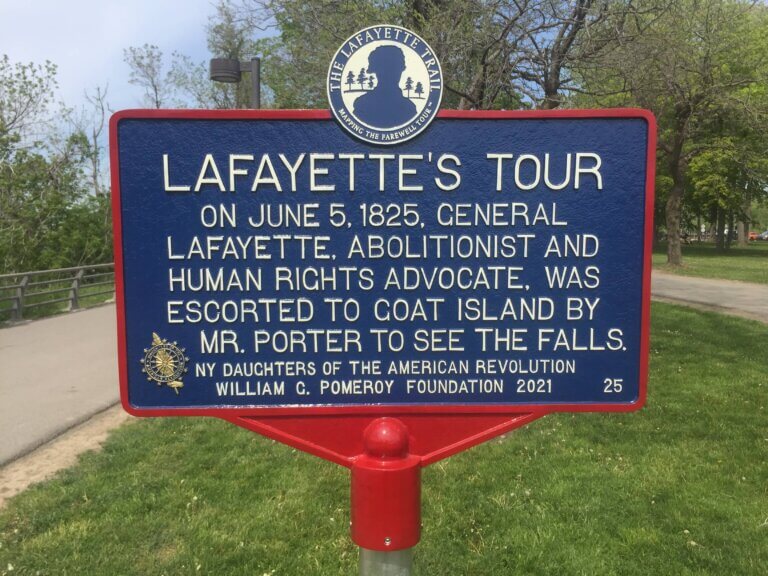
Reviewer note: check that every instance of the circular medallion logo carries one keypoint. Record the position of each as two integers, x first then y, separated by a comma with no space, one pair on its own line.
385,85
164,363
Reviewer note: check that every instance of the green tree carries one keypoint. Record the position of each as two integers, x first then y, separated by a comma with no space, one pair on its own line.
495,53
49,216
295,67
88,125
148,71
726,176
697,61
36,191
25,93
182,82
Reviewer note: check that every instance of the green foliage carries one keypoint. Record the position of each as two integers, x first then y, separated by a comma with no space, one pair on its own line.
47,219
308,34
759,216
84,236
699,65
48,216
146,64
25,92
496,54
715,175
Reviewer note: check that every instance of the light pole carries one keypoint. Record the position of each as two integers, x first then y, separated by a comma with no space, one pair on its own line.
229,71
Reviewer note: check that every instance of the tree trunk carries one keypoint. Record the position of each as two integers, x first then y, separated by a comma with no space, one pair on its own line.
677,168
674,207
550,103
729,236
674,212
552,97
720,230
742,229
746,222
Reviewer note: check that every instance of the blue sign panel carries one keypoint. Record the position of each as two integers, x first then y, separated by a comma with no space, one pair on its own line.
276,261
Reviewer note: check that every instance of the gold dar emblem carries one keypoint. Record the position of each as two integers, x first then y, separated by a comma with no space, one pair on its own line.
164,363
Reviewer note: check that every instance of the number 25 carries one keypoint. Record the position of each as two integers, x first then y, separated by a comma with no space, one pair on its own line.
613,385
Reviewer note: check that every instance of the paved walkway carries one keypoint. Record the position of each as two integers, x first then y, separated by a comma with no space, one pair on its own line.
58,372
725,296
54,374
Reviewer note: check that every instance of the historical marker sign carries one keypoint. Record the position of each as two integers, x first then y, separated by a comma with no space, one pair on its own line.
382,284
271,263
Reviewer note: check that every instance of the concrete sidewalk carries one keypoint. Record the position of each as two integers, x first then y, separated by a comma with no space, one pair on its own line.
54,374
724,296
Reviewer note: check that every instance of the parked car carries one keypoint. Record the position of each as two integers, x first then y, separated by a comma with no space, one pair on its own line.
752,236
763,236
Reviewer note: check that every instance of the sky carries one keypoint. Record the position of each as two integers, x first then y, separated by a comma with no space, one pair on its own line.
86,39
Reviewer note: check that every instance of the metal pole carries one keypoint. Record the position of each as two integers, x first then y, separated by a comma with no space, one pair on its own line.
395,563
256,83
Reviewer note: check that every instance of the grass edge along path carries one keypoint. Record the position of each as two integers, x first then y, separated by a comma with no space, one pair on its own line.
745,264
677,488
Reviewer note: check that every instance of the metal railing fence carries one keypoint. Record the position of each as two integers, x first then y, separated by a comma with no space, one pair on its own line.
47,291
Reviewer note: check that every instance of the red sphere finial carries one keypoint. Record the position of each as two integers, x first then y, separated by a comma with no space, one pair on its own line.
386,438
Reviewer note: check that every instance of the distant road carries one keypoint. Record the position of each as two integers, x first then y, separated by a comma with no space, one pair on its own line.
59,371
54,374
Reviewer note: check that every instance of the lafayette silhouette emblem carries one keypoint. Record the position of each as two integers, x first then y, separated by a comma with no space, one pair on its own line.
385,85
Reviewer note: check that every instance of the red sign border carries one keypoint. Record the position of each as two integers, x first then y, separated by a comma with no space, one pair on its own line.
380,409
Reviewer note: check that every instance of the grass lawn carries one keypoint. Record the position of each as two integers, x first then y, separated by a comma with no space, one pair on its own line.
680,488
748,264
